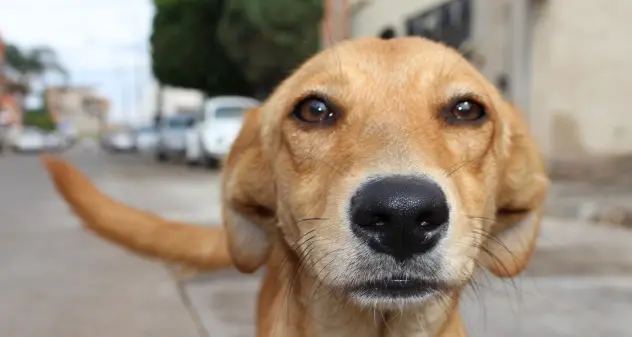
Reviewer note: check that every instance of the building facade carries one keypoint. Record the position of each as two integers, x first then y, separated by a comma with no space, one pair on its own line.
564,62
170,101
77,109
10,110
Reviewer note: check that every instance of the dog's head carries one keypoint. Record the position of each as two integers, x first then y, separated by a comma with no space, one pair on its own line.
391,169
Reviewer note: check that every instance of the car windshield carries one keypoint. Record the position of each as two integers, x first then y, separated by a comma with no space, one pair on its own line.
229,112
31,132
145,129
180,122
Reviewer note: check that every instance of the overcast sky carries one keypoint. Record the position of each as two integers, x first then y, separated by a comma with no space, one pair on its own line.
104,43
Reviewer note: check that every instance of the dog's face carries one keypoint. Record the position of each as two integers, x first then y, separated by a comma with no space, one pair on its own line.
388,167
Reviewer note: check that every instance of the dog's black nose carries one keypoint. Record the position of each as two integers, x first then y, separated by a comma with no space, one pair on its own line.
400,215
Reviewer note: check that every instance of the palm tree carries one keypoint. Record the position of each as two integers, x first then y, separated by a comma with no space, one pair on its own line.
32,64
45,59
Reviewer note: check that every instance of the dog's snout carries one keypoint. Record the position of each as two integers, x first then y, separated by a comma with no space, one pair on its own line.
399,215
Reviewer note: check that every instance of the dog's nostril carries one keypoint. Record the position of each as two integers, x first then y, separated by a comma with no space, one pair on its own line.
399,215
378,220
367,220
431,221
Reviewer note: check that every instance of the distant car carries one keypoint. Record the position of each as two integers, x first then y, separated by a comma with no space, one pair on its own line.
29,140
88,144
171,140
68,132
146,138
3,137
119,141
54,141
209,141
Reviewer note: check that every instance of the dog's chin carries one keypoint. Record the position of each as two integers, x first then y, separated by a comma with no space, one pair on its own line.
396,292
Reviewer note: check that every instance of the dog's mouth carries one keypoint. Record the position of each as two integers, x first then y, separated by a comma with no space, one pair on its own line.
397,288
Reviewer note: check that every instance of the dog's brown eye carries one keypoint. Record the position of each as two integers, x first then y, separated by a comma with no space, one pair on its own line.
467,111
314,111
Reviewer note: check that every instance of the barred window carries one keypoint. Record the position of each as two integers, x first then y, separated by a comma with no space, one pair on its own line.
449,23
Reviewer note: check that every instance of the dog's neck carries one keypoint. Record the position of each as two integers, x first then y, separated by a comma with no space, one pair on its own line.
294,304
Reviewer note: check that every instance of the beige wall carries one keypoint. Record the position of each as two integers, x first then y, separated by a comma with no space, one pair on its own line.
580,65
174,100
490,42
68,105
582,77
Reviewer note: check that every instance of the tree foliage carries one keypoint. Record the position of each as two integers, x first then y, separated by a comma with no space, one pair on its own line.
39,118
232,46
186,51
268,39
32,63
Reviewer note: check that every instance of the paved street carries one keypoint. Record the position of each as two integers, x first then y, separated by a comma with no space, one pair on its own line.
57,280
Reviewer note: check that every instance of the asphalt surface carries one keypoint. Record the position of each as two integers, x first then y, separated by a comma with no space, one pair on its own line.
58,280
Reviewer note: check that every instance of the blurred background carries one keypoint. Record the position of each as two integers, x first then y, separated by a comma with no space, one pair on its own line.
147,96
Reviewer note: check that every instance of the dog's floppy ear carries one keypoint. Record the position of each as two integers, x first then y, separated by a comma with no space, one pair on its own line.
522,188
248,197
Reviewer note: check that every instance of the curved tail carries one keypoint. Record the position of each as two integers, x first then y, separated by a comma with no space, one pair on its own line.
141,232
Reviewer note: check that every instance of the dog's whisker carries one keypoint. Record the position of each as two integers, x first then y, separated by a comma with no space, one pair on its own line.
462,164
481,218
311,219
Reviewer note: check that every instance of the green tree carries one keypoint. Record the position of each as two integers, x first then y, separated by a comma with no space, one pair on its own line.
40,119
186,51
33,64
268,39
232,46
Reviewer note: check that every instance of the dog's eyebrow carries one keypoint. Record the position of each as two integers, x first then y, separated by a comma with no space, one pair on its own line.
316,93
463,90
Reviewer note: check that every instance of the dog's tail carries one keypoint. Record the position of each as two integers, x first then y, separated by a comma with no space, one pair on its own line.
141,232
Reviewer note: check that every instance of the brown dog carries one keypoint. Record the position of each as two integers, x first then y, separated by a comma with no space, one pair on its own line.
371,184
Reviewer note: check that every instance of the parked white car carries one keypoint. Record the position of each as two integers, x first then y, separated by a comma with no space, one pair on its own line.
29,140
54,141
210,139
119,141
171,133
68,132
146,139
4,137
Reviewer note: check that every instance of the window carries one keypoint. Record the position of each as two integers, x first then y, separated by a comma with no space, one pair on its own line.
145,129
229,112
449,23
180,122
502,82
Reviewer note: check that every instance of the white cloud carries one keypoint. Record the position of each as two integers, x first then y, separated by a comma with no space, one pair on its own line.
102,42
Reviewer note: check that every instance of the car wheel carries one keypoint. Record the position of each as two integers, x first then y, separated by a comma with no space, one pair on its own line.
211,163
161,157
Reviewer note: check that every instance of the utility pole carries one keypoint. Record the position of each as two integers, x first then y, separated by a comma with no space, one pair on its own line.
137,81
134,93
158,114
520,87
124,94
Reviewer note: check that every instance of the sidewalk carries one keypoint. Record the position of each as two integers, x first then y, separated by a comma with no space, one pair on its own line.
579,283
59,281
604,203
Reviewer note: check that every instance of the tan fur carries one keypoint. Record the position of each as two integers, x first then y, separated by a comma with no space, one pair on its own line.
279,174
140,231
